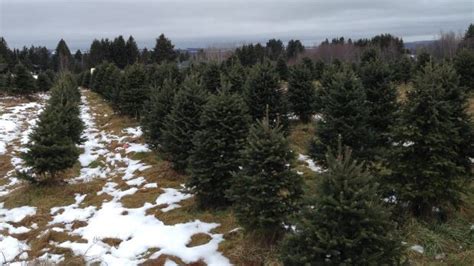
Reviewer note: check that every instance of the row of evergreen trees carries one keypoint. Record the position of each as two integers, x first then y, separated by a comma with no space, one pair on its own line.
53,143
22,82
226,124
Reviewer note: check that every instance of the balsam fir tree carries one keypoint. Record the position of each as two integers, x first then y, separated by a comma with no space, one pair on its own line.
211,78
224,126
43,83
346,223
381,99
464,64
282,69
344,112
264,95
301,93
235,77
434,138
134,91
155,110
52,147
266,191
66,97
182,123
23,82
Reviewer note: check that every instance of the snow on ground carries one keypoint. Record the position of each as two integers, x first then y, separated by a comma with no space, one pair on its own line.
16,123
138,231
310,163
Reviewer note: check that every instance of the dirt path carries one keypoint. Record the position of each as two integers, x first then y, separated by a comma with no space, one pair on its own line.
122,206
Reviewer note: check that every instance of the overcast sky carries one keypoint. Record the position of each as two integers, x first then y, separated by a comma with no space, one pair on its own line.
202,23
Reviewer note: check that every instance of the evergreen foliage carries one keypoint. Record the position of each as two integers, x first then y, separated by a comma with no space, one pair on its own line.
266,191
223,126
381,98
301,93
182,122
155,110
43,83
435,140
211,78
294,48
23,82
263,94
63,58
234,78
282,69
52,147
402,69
157,74
164,50
464,64
346,223
344,113
134,91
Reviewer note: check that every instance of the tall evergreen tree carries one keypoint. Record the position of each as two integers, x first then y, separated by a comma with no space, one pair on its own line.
266,191
63,57
275,49
134,91
345,113
381,99
155,110
164,50
263,94
224,126
346,223
294,48
131,50
435,140
301,93
182,122
119,52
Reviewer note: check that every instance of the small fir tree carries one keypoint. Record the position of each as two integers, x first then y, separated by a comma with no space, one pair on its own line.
155,110
434,137
347,222
224,126
266,191
164,50
43,83
23,82
182,123
301,93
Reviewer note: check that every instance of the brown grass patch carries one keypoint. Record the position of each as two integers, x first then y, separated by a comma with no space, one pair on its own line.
301,136
199,239
113,242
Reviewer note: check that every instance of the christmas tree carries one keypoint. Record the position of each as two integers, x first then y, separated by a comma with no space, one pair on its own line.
346,223
344,113
224,126
156,108
301,93
264,95
134,91
434,140
182,122
266,191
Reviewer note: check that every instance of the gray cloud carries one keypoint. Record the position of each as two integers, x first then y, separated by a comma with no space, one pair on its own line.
208,22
